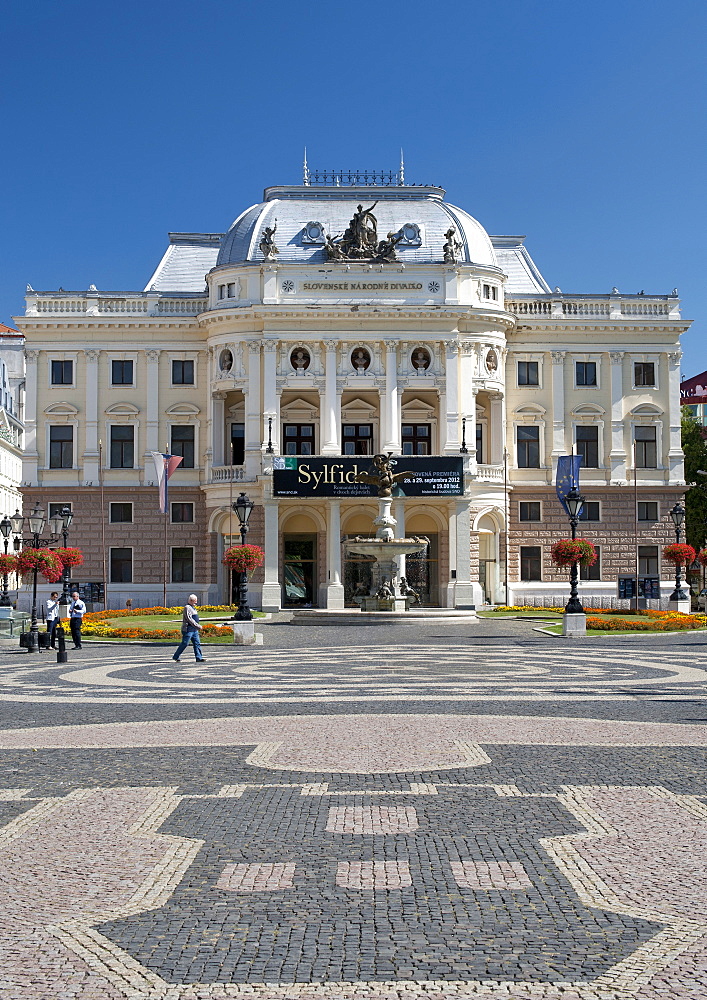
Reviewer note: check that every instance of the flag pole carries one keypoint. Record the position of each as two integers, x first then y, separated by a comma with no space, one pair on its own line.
164,566
103,525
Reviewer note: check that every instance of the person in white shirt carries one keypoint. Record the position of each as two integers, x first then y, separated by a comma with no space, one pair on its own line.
52,617
77,609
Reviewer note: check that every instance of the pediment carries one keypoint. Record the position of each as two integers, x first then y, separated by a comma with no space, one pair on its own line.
122,410
61,408
646,410
183,410
588,410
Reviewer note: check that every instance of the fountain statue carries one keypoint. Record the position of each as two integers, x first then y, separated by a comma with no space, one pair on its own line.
388,591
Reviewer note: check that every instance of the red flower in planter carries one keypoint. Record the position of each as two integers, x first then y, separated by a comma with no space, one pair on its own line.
568,551
46,562
243,558
70,556
678,553
8,564
702,557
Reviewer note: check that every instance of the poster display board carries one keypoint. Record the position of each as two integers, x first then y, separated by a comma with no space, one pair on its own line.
305,476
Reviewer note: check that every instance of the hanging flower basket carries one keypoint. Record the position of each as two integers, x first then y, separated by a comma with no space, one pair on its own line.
702,557
8,564
70,556
243,558
46,562
678,554
567,551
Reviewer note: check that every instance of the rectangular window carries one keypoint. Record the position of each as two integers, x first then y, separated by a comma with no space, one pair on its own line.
357,439
480,444
182,513
528,373
183,565
237,444
182,372
530,562
528,447
644,373
122,447
647,510
121,513
121,372
183,444
121,565
529,510
61,447
586,372
591,572
62,372
221,291
590,511
299,439
646,451
588,446
648,560
57,509
416,439
231,290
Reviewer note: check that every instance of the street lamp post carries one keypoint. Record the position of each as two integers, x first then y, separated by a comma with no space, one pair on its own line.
6,529
66,519
34,525
243,508
677,515
575,503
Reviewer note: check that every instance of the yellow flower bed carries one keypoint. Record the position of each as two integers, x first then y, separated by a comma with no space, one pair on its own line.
95,624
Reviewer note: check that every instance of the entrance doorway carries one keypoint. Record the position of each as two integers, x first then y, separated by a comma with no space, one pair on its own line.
300,559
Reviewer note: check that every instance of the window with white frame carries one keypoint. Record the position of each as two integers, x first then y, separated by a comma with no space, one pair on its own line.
531,562
528,373
648,510
182,512
61,446
529,510
644,374
122,371
122,446
648,560
182,564
182,371
61,372
587,441
182,443
528,446
591,511
646,447
585,373
121,512
121,565
592,572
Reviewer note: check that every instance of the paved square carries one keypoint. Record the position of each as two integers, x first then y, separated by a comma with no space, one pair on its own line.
442,811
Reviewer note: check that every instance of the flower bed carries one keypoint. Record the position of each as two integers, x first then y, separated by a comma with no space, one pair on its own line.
656,621
95,624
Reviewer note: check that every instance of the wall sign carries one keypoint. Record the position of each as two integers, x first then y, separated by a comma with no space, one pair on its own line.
304,476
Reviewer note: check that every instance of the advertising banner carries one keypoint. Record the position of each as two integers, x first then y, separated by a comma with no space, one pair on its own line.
305,476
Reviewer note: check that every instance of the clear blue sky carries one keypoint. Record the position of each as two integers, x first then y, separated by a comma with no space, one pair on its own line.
581,125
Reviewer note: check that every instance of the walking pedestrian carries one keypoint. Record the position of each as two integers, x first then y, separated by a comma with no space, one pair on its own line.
52,617
190,630
77,610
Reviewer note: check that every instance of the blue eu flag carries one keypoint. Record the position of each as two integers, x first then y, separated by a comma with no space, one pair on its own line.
567,476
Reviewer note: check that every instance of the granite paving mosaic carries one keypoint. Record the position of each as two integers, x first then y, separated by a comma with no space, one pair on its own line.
432,815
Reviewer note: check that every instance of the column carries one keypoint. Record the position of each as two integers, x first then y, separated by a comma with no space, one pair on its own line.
90,455
330,410
30,458
218,426
559,445
466,593
152,421
334,588
471,433
467,397
496,425
271,593
270,396
451,384
676,472
617,455
392,440
399,515
253,408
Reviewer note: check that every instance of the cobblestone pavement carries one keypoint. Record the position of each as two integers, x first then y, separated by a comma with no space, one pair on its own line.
425,811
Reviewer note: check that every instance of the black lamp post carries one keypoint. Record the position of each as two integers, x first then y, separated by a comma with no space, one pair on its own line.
66,519
575,502
6,529
34,525
243,508
677,515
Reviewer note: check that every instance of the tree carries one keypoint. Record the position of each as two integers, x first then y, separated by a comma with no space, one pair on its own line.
695,447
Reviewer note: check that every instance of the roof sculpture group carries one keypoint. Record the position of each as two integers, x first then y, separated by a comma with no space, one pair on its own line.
360,241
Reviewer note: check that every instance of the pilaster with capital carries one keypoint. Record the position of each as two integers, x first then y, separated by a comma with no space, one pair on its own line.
451,382
30,458
617,454
90,457
152,409
392,439
559,446
334,586
271,593
330,411
253,408
675,453
270,395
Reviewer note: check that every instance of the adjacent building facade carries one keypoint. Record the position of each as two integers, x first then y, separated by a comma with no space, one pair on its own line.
332,322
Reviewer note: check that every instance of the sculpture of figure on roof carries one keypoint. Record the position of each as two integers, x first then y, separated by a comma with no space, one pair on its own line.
333,249
452,247
386,248
267,242
364,227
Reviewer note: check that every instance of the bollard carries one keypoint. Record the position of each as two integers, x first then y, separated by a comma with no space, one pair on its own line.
61,656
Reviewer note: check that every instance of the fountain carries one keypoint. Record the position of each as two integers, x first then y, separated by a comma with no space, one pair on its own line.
388,592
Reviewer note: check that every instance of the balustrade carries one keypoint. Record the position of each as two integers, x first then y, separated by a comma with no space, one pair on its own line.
599,306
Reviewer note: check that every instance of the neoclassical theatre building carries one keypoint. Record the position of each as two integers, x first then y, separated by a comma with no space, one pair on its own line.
337,319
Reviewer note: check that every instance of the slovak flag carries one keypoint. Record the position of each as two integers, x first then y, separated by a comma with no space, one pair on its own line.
165,465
